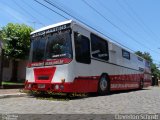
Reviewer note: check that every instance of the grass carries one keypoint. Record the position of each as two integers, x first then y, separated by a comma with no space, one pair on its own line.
54,96
12,83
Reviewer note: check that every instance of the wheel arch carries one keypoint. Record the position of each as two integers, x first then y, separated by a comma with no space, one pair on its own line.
106,75
109,81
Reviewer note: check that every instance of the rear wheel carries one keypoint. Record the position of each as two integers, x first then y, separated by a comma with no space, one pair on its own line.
103,85
141,84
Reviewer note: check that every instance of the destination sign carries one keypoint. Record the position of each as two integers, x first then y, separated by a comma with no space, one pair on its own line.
51,30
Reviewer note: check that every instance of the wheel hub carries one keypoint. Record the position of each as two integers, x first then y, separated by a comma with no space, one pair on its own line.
103,84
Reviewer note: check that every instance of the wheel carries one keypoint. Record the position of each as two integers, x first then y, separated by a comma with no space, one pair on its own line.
141,84
103,85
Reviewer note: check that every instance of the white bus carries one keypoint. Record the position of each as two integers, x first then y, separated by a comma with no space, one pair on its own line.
70,57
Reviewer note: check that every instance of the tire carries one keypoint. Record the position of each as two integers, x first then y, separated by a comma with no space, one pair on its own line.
141,84
104,85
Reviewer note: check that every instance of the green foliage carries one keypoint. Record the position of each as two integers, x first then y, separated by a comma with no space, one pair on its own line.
145,55
11,83
17,40
154,69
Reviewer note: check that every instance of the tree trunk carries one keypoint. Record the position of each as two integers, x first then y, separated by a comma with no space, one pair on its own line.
14,71
1,67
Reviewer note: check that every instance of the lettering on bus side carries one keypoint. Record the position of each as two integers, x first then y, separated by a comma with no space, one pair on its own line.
52,30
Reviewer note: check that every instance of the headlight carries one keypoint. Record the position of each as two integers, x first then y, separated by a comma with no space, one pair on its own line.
29,85
61,87
56,87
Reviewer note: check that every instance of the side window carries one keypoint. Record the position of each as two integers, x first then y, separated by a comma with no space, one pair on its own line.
82,48
147,64
99,47
125,54
140,59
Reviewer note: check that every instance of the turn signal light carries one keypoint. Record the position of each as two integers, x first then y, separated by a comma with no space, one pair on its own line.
62,80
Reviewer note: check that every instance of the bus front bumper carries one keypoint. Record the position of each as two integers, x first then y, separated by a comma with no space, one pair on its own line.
50,87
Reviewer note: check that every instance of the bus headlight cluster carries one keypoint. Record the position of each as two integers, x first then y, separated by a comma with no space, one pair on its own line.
56,87
29,85
61,87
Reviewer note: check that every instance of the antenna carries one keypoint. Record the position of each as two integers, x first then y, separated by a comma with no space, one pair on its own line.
34,24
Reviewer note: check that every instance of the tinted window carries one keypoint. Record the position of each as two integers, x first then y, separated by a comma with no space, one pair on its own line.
59,46
125,54
38,49
82,48
140,59
147,64
56,45
99,47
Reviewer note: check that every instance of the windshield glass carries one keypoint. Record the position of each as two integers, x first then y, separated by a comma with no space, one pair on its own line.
38,48
50,47
59,46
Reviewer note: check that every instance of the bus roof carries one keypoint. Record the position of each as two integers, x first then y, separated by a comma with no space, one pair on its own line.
84,26
51,26
80,24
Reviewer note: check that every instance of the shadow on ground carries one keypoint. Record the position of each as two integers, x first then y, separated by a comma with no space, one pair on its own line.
73,96
67,97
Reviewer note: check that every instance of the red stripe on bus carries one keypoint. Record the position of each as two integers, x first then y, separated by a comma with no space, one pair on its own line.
49,62
84,84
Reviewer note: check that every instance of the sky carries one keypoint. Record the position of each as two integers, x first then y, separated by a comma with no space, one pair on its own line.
132,23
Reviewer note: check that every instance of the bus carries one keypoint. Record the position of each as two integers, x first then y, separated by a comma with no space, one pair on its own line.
70,57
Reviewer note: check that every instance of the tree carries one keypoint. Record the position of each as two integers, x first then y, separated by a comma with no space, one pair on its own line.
154,69
145,55
1,58
17,41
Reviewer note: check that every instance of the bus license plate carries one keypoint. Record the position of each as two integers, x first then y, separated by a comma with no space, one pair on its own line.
41,85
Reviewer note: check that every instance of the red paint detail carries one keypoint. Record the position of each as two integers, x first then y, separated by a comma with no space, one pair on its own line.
59,61
87,84
34,64
47,72
84,84
79,86
129,77
49,62
123,83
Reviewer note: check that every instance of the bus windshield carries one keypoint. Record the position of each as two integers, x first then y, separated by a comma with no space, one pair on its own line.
50,47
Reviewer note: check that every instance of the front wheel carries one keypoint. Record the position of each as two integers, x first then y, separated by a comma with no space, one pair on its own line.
103,85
